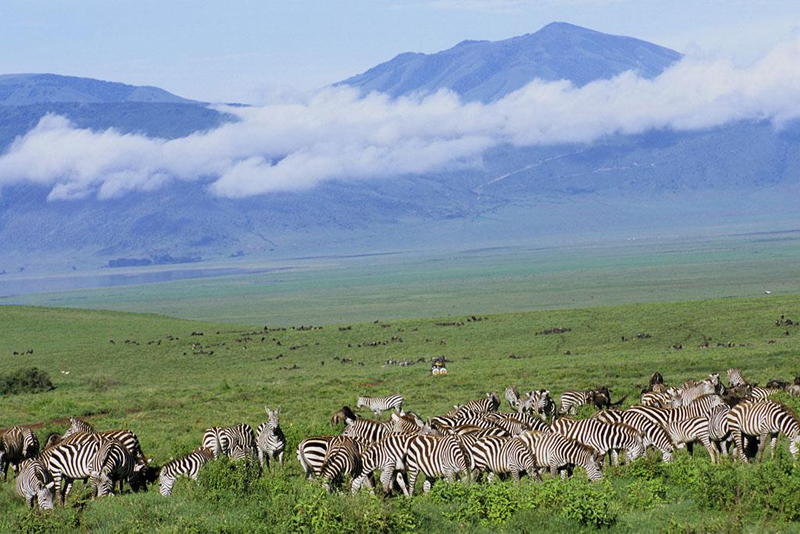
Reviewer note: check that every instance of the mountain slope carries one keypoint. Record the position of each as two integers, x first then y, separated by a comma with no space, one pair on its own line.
486,71
24,89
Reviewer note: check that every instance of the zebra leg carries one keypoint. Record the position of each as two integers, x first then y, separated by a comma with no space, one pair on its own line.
280,457
772,445
762,446
412,481
261,458
426,486
402,483
490,477
386,480
615,457
515,475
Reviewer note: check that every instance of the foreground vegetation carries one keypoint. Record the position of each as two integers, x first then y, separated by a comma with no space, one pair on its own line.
164,383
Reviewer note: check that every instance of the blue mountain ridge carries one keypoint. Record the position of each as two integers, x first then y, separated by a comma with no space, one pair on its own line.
741,175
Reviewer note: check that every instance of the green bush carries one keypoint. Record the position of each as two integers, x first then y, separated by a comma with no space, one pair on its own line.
30,380
224,479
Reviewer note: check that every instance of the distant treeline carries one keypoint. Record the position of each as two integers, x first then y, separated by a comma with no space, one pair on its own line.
164,259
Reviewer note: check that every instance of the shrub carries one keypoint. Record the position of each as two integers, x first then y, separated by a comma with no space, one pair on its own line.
98,384
224,479
30,380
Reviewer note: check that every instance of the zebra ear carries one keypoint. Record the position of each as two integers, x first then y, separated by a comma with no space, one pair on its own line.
50,485
279,409
395,417
266,409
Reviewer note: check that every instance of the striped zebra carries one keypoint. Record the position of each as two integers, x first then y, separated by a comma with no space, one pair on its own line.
113,463
560,453
572,400
68,462
490,404
409,423
126,437
35,484
685,397
538,403
763,419
77,426
367,430
759,393
270,440
388,457
215,440
12,449
508,422
718,431
653,434
188,466
687,431
664,416
343,458
602,437
512,396
658,400
435,457
311,452
379,404
735,378
446,422
500,456
221,440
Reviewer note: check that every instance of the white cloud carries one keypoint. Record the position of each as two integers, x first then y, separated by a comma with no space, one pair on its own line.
336,134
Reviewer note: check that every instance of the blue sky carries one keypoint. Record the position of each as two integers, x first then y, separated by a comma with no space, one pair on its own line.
254,50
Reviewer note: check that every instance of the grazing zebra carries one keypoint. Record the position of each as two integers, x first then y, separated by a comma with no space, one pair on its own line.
409,423
270,441
113,463
763,419
572,400
12,449
602,437
490,404
735,378
311,452
435,457
35,483
446,422
215,440
686,431
388,457
560,453
658,400
379,404
367,430
533,422
508,422
127,438
538,403
221,440
343,458
685,397
188,466
664,416
512,396
718,431
68,462
239,452
76,425
759,394
653,434
501,456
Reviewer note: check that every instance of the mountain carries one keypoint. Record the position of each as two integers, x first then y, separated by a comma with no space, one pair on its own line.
741,176
25,89
487,70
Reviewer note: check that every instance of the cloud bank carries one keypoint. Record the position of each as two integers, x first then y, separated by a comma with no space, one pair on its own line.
338,134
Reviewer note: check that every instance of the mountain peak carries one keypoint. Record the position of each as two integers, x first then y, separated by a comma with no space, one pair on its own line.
488,70
36,88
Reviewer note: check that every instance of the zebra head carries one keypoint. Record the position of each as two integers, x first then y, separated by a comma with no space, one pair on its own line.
103,484
274,417
45,494
361,402
165,484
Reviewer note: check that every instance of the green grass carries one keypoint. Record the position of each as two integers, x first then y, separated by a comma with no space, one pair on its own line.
167,394
485,281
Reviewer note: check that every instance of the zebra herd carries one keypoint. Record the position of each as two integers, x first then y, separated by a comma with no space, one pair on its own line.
472,440
108,459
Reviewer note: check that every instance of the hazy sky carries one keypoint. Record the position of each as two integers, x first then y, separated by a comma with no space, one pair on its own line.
252,51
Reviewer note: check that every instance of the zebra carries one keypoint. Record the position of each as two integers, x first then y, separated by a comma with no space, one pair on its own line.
446,422
508,422
686,431
343,458
188,466
379,404
366,429
735,378
68,462
490,404
128,439
388,456
215,440
270,440
760,394
561,453
435,457
512,396
500,455
409,423
311,452
658,400
35,484
653,434
113,463
718,431
572,400
602,437
538,403
763,419
685,397
77,425
221,440
12,449
664,416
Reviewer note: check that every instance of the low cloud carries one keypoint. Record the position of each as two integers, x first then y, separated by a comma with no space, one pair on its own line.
339,134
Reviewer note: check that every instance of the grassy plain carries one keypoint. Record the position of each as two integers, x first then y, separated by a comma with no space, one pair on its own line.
437,283
168,392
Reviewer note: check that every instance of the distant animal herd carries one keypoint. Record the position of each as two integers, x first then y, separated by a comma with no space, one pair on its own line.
472,440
